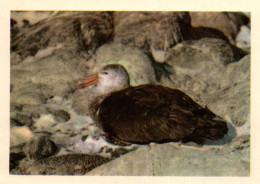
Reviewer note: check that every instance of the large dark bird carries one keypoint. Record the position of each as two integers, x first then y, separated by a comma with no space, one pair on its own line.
148,113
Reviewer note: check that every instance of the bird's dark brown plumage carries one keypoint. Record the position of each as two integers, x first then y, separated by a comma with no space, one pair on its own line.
153,113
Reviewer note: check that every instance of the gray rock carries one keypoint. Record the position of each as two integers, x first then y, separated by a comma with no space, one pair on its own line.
80,30
232,100
228,23
171,159
212,76
15,58
81,101
15,123
20,135
28,93
40,147
25,114
71,164
61,116
19,17
36,81
193,54
24,120
151,31
243,39
138,65
121,151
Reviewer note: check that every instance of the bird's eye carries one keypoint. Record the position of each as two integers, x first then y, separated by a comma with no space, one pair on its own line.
105,73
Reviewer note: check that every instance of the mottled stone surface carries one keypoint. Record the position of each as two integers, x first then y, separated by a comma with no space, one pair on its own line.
153,32
71,164
20,135
61,116
82,31
176,160
243,39
228,23
192,54
234,92
213,72
40,147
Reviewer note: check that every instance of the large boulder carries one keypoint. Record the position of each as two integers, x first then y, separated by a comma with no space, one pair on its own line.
80,31
215,74
154,32
228,23
177,160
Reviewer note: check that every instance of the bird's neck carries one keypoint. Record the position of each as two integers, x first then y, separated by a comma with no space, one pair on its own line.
106,90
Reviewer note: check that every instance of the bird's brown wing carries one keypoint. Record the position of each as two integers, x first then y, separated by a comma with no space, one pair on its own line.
148,113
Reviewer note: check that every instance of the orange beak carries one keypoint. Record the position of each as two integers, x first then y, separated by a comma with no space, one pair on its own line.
93,79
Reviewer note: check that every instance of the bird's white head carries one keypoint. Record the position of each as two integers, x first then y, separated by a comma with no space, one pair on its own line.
109,79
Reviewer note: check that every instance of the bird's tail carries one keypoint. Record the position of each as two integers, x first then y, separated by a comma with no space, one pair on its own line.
212,129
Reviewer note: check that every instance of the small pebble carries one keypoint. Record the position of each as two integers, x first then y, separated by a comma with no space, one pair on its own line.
41,147
84,138
24,119
61,116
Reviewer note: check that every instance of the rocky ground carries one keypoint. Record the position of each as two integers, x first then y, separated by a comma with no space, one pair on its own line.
205,54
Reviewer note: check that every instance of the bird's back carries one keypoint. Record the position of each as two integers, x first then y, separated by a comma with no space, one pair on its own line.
153,113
